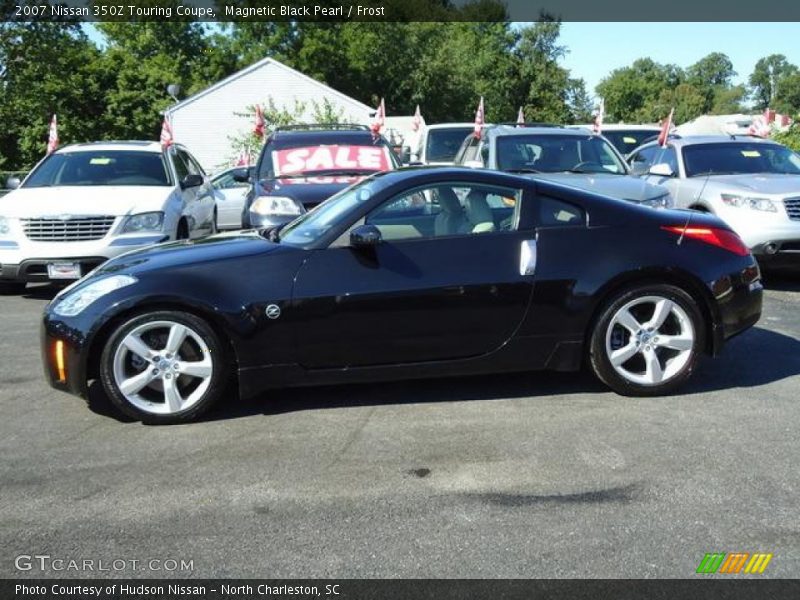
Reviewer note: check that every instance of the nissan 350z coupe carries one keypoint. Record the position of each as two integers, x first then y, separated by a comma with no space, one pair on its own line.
411,273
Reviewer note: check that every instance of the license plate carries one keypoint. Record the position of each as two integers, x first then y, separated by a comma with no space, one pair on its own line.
64,271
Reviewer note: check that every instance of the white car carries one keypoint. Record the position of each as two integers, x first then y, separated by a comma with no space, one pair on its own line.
752,184
229,195
439,143
86,203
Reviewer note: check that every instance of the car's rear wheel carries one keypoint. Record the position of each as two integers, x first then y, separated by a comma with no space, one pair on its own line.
163,367
9,288
647,340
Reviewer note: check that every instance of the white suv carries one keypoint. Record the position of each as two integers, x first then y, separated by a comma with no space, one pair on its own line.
86,203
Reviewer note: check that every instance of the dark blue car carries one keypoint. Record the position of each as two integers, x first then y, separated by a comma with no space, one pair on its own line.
302,165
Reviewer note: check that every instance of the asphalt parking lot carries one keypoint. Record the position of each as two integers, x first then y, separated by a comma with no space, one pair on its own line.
530,475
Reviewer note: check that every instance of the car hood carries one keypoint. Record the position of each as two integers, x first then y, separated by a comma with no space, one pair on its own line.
83,200
310,191
762,183
233,245
625,187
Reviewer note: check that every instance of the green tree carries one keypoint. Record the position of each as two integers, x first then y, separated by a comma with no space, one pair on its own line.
787,96
712,75
47,68
631,93
766,77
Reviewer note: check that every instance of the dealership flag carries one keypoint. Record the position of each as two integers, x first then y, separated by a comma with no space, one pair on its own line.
769,115
244,159
479,119
379,121
417,122
597,127
664,135
166,133
520,118
258,130
760,126
782,120
52,138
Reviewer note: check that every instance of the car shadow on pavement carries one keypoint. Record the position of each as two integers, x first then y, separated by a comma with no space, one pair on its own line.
757,357
45,291
781,282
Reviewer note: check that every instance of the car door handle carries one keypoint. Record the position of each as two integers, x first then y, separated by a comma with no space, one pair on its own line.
527,257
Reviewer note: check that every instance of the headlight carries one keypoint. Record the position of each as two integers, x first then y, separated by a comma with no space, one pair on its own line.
151,221
664,201
4,227
276,205
76,302
762,204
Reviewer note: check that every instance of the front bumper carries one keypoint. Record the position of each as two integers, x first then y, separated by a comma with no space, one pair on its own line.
63,357
28,262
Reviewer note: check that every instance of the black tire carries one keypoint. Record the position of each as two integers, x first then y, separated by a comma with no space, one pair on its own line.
598,353
216,351
12,288
182,232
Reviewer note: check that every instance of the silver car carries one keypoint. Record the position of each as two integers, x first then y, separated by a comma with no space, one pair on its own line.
573,157
752,184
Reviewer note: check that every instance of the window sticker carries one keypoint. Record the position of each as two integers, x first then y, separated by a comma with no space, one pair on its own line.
99,161
751,153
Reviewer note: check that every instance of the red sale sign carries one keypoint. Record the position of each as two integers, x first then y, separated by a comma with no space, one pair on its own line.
331,158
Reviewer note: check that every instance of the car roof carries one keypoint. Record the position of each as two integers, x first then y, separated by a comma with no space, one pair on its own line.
620,127
698,140
316,137
694,140
513,130
105,146
451,126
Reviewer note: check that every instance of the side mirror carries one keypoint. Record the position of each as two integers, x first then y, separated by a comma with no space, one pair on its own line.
662,170
191,180
242,175
365,236
12,183
473,164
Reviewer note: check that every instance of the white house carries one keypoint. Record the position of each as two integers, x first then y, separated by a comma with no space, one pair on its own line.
205,121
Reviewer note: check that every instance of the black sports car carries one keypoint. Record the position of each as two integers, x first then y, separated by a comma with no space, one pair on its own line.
409,273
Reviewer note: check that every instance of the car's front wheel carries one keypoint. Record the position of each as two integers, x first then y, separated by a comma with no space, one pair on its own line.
647,340
163,367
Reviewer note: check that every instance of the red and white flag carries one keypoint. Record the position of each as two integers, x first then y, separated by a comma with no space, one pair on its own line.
379,121
597,126
166,133
417,122
760,127
244,159
52,138
520,118
479,120
769,115
258,130
665,128
782,120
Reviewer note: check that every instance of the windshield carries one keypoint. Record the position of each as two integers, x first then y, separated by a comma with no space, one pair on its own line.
553,153
739,157
110,167
344,159
314,224
443,144
627,140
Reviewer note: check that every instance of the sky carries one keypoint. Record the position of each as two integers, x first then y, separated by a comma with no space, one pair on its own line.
595,49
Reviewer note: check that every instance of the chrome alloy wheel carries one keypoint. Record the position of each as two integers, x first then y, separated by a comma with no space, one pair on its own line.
650,340
163,367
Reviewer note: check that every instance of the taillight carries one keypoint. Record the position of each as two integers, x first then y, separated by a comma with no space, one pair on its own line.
722,238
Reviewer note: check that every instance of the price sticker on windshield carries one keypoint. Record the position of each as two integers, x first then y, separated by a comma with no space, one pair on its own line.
331,158
751,153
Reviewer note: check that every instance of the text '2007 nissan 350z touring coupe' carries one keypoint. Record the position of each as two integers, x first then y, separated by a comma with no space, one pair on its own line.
412,273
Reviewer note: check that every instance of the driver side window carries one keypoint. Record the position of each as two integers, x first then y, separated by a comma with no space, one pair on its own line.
446,210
